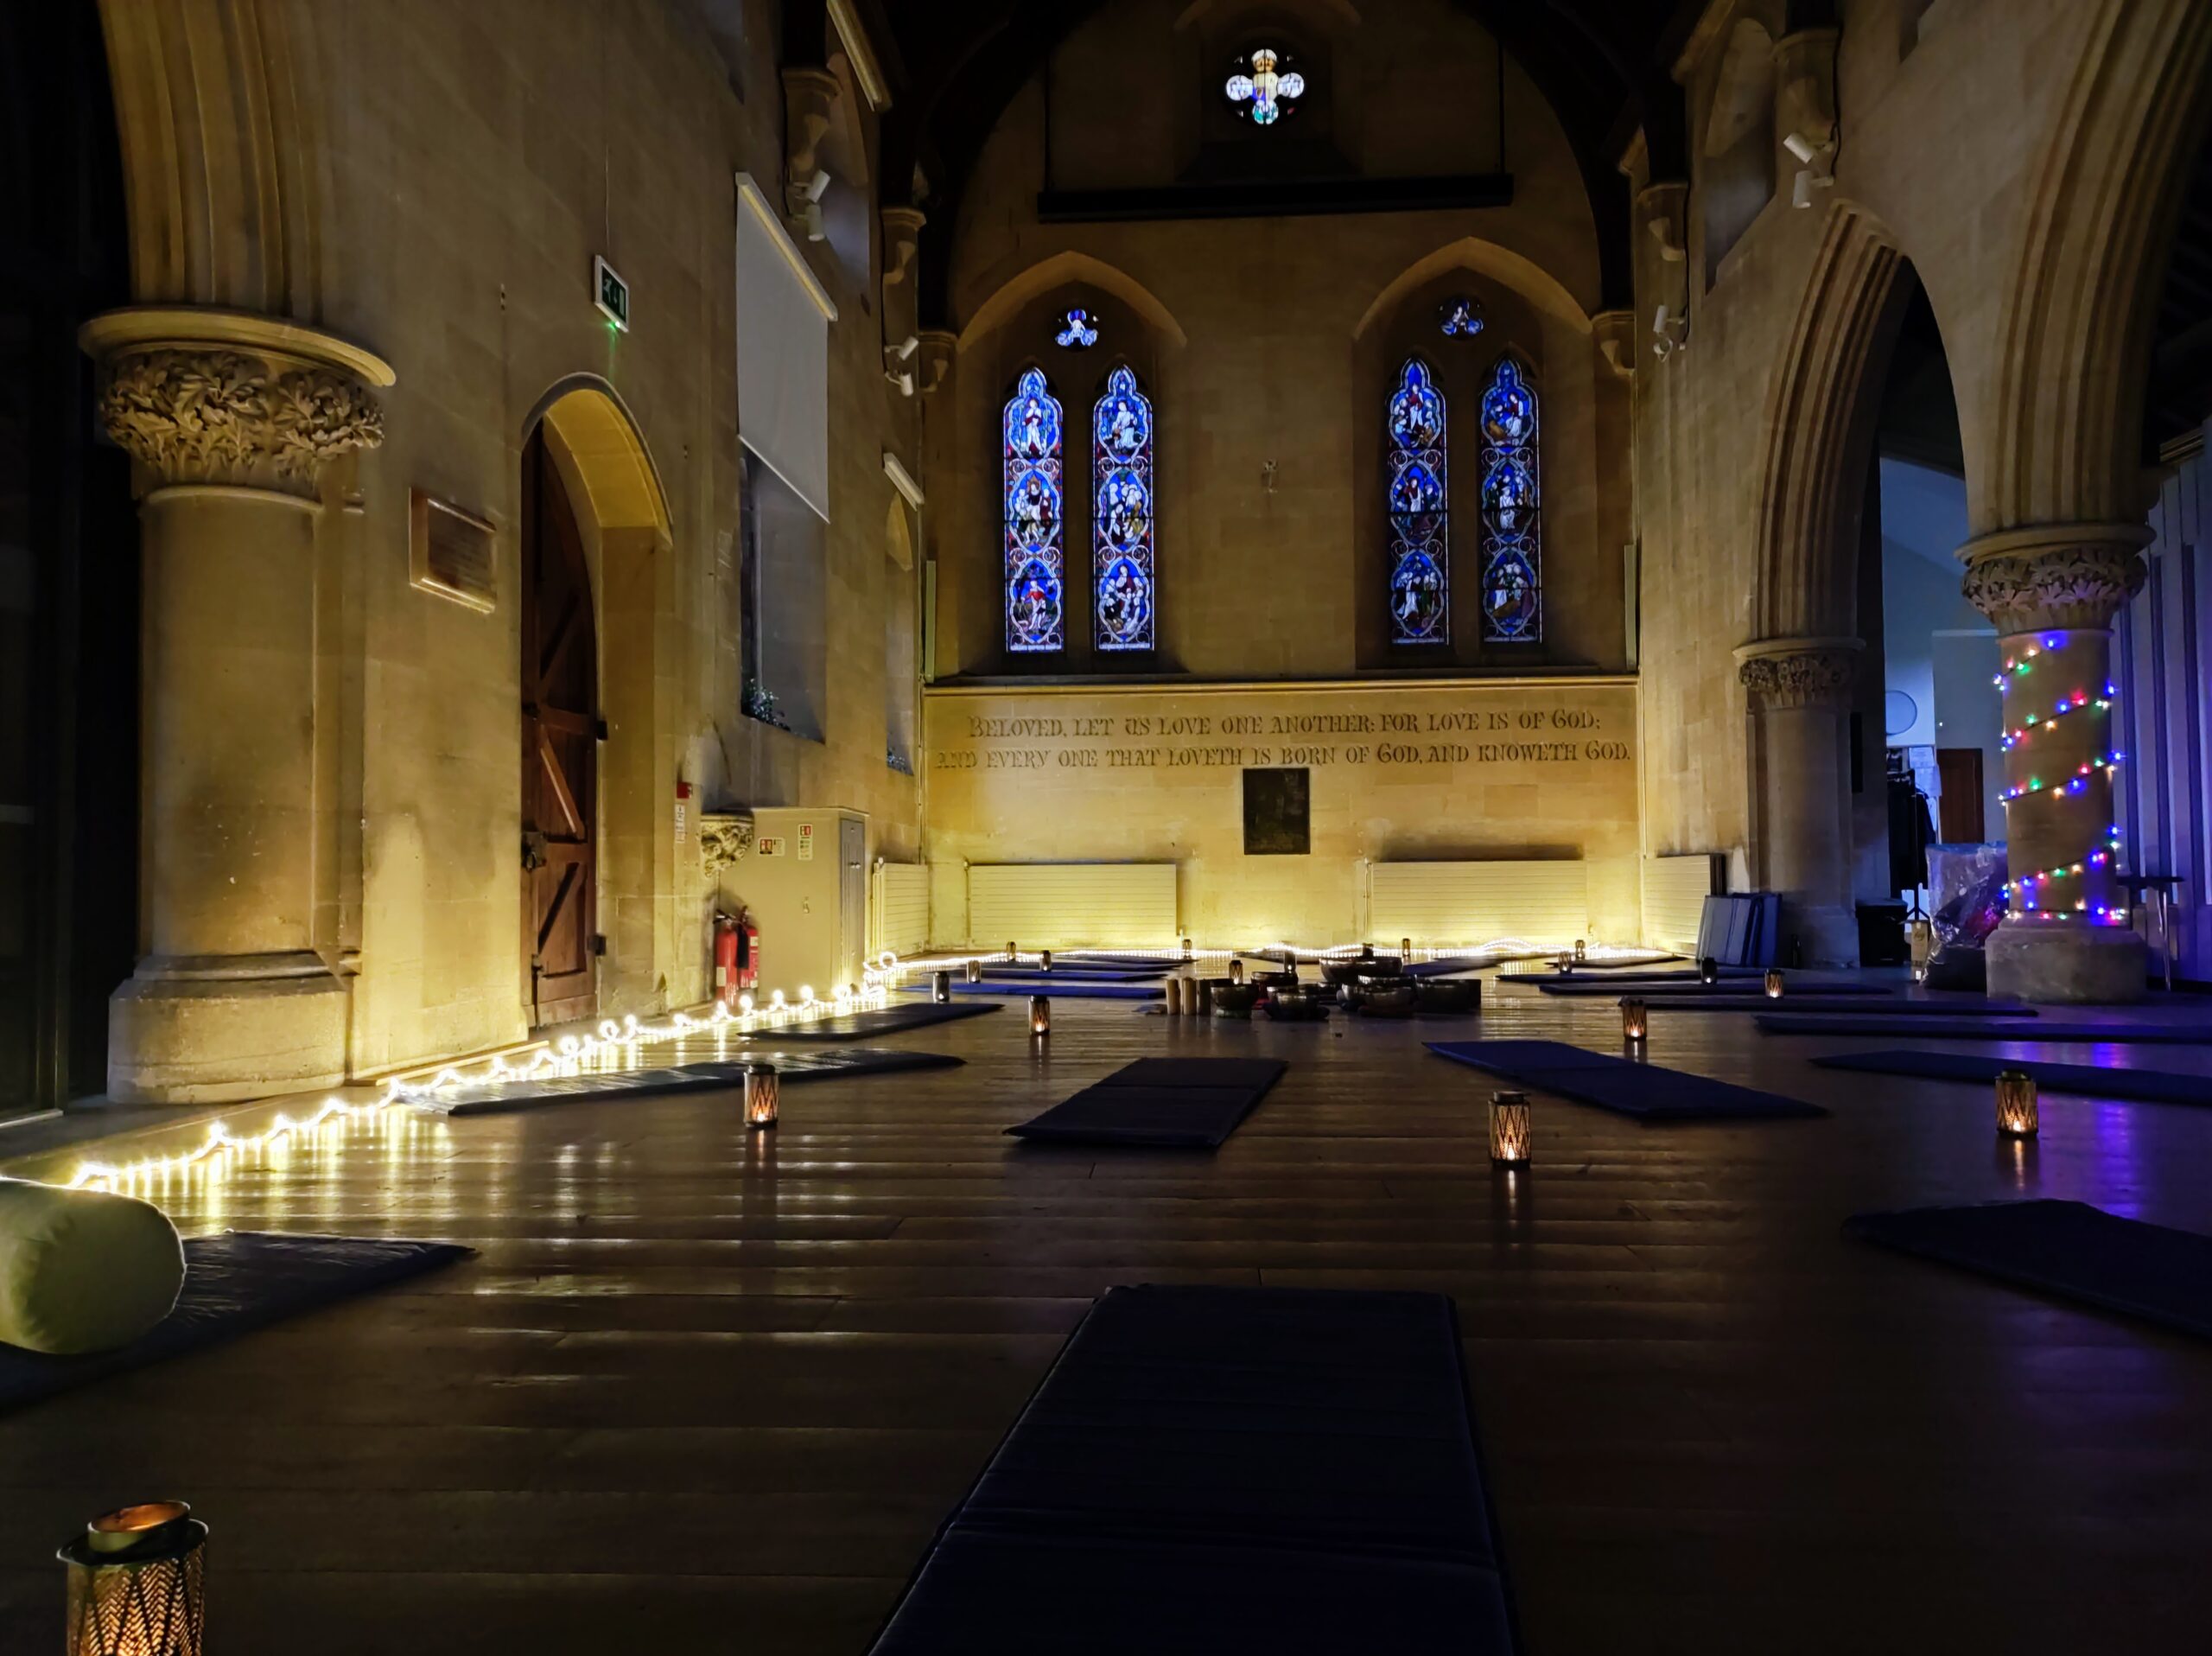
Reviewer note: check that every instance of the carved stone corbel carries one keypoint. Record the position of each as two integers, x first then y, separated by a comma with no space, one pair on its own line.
1798,672
902,233
939,346
1616,334
810,97
724,838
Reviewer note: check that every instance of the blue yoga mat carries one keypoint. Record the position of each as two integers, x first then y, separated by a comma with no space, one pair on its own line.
2066,1248
1171,1103
1648,1091
2095,1080
1621,975
792,1067
876,1020
1206,1470
1072,989
1690,989
1078,971
1839,1004
233,1284
1980,1029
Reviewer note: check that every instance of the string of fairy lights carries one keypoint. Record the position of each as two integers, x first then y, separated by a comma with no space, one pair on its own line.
2044,892
617,1046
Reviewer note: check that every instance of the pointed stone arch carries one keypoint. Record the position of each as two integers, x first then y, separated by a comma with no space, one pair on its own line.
1069,270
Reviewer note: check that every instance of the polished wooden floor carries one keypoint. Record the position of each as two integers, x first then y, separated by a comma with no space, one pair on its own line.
702,1392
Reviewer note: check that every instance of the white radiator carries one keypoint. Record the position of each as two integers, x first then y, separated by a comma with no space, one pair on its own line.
1066,905
902,909
1438,904
1675,891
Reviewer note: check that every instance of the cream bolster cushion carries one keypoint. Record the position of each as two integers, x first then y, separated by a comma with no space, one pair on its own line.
82,1271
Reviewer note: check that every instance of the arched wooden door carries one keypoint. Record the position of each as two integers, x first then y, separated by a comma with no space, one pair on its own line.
560,750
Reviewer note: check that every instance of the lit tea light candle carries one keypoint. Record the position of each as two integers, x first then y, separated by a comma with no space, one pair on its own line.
761,1088
1774,983
1708,970
1040,1017
137,1583
1509,1130
2018,1114
941,985
1635,1021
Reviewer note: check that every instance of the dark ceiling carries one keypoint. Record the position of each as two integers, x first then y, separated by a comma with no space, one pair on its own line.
1604,65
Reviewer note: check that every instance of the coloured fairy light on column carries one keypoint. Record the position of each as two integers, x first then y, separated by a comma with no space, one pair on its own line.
2018,1116
1040,1017
1509,1130
2059,771
137,1583
762,1086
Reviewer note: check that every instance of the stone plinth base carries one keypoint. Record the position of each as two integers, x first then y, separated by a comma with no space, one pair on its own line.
215,1028
2060,961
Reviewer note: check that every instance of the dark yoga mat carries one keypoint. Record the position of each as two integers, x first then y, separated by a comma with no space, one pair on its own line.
1692,989
792,1067
1176,1102
1978,1029
2095,1081
1964,1007
2066,1248
876,1020
1212,1469
1629,974
1648,1091
1078,971
1058,988
233,1284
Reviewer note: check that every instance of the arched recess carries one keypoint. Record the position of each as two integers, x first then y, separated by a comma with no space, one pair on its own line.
1819,426
621,514
1071,269
1501,264
2075,344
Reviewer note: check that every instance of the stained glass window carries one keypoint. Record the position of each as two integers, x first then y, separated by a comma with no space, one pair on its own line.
1077,332
1034,621
1512,509
1121,517
1460,316
1419,518
1263,87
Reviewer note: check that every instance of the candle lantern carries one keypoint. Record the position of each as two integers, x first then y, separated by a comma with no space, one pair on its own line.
1923,940
1708,971
1581,948
1011,953
1040,1017
1367,951
1175,997
1635,1021
1774,983
1044,959
761,1088
974,972
1405,948
2018,1116
1509,1130
137,1583
941,987
1186,949
1563,964
1236,971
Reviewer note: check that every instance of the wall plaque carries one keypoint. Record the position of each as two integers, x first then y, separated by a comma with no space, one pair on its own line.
450,553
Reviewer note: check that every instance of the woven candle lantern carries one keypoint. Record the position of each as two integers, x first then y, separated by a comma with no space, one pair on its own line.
1175,997
2018,1114
1773,983
1236,971
1040,1017
941,987
1923,940
761,1088
1012,954
1405,948
137,1583
1563,964
1044,959
1635,1021
1186,949
1509,1130
974,972
1581,949
1708,971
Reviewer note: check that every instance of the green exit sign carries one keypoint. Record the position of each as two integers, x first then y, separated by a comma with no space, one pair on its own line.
612,296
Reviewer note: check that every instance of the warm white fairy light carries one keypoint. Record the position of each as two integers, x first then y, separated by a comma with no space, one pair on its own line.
614,1046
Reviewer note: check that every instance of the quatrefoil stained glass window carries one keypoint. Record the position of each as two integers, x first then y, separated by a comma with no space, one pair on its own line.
1264,87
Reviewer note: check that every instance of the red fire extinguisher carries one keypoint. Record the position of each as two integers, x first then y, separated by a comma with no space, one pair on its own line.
737,956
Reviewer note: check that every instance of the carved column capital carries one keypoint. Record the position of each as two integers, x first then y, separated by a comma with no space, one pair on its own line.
222,397
724,838
902,233
810,95
939,346
1798,672
2055,575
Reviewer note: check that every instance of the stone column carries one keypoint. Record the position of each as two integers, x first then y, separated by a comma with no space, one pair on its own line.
1800,692
2052,592
230,419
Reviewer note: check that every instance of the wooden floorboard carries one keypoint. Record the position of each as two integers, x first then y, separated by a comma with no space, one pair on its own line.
701,1391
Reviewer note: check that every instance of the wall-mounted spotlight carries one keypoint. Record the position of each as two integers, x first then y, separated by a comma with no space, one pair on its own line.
1816,171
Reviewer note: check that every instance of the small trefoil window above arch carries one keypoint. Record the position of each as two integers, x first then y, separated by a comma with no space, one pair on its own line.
1264,87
